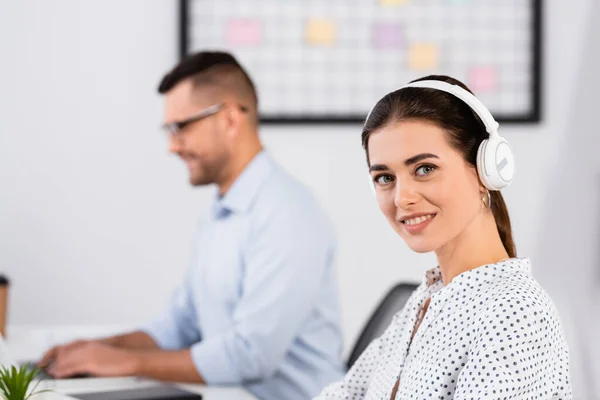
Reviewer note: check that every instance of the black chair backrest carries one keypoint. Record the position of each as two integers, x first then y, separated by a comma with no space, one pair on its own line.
393,302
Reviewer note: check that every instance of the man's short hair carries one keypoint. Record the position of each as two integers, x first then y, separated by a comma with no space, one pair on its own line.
217,68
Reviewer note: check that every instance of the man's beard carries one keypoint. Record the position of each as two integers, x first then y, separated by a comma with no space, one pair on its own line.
208,174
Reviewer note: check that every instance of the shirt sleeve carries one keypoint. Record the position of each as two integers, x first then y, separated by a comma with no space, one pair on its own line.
518,354
285,257
357,380
177,327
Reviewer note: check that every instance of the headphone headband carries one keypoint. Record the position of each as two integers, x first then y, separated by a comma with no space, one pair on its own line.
491,126
495,158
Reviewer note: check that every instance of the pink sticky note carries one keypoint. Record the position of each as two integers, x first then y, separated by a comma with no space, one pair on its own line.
243,32
483,79
387,35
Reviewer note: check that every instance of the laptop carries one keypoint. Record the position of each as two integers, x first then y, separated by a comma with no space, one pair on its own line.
162,392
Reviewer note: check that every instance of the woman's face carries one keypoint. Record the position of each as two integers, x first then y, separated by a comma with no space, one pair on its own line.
424,187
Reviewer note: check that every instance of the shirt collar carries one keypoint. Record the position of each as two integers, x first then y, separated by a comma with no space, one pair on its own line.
240,195
489,272
432,276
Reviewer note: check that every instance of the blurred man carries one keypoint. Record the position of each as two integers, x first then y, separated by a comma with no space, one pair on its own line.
258,306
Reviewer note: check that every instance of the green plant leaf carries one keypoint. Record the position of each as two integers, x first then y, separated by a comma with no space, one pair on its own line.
16,384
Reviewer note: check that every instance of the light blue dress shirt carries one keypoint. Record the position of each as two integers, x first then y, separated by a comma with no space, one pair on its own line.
258,306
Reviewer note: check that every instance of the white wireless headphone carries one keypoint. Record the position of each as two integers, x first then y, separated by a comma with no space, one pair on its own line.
495,157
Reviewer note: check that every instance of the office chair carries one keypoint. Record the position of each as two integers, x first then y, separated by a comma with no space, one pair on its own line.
393,302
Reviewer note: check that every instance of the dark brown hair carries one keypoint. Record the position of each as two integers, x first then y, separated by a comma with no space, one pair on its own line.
464,127
220,71
196,63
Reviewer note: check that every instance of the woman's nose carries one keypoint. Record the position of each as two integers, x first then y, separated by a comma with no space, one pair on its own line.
406,194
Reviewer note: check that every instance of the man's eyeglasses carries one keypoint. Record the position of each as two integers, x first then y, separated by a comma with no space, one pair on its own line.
173,128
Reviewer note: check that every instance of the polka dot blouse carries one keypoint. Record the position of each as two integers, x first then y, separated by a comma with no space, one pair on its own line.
492,333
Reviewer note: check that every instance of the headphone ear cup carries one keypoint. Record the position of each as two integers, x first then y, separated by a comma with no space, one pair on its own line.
495,163
481,164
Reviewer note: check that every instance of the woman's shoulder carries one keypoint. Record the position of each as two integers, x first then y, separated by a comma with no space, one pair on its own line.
517,296
517,283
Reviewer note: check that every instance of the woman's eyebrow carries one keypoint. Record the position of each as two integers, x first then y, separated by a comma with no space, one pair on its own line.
419,157
378,167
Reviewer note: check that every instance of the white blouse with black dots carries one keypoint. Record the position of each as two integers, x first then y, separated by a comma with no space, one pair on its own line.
491,333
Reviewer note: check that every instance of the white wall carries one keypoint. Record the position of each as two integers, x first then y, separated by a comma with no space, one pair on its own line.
95,218
571,273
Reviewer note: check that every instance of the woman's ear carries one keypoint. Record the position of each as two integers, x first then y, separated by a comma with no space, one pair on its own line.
482,189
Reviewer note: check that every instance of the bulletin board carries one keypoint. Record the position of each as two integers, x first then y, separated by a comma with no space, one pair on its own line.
329,61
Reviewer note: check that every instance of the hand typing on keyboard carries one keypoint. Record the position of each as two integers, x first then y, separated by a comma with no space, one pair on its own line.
86,358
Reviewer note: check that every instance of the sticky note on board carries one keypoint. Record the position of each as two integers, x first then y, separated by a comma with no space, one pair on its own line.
393,2
387,35
243,32
423,56
320,32
483,79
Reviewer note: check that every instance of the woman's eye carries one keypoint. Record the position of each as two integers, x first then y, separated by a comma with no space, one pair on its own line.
425,170
383,179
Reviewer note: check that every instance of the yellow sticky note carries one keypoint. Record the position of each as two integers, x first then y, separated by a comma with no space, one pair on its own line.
393,2
320,32
423,56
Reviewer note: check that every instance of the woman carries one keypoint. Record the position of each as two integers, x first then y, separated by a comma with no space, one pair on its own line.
479,326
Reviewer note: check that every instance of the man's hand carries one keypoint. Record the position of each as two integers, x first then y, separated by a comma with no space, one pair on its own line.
96,358
132,340
93,358
51,354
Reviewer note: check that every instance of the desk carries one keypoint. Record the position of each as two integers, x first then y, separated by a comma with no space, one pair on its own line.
25,345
